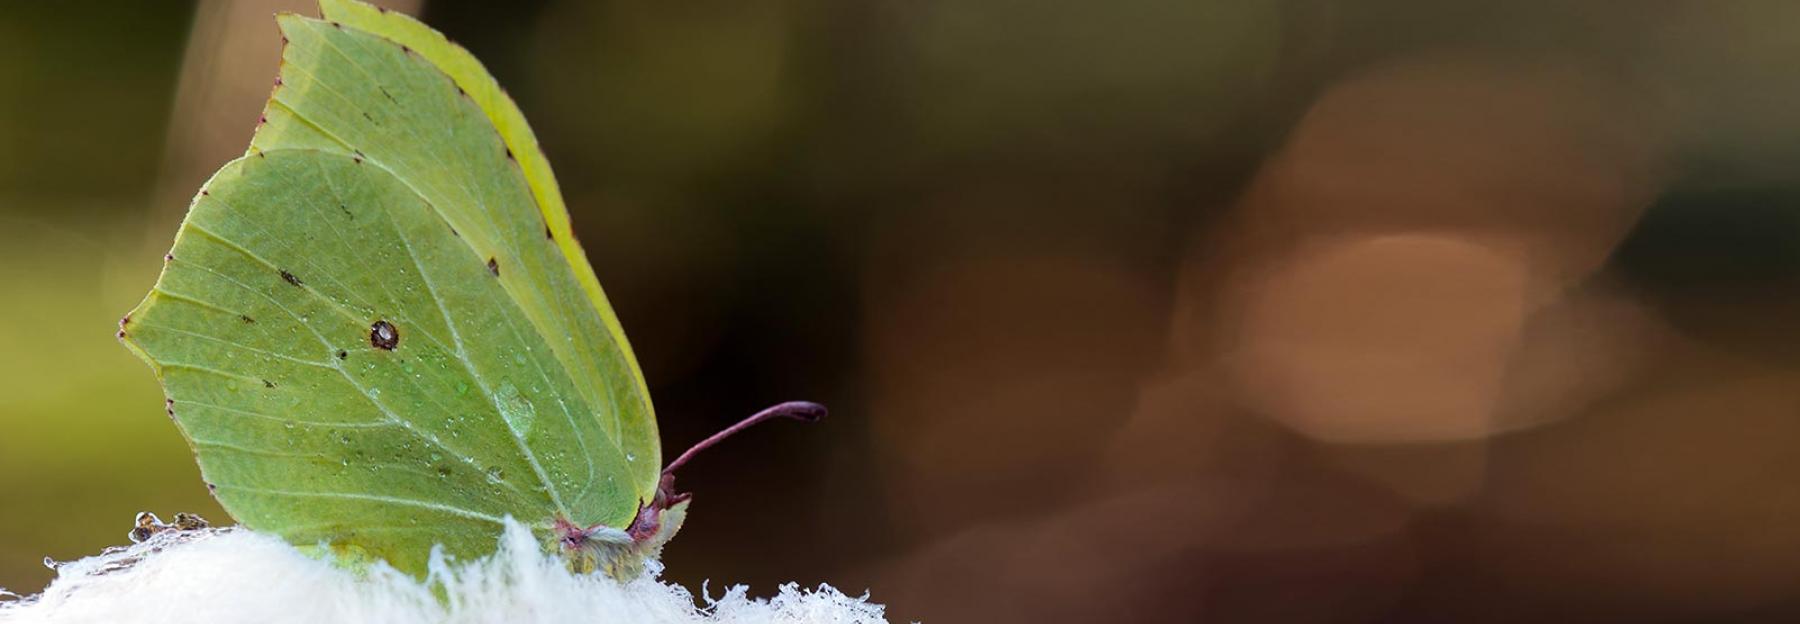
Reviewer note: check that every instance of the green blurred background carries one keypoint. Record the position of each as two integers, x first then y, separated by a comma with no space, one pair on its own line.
1215,310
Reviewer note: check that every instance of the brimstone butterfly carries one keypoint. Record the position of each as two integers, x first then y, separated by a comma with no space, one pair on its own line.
378,332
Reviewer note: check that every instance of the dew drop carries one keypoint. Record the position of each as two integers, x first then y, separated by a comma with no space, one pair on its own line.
517,412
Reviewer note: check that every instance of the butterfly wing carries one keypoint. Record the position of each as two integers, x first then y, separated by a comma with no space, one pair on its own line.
393,184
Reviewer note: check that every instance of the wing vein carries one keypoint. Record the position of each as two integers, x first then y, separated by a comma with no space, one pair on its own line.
192,300
283,419
220,444
377,498
309,121
242,346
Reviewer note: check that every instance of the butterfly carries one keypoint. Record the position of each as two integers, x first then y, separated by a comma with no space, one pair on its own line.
377,329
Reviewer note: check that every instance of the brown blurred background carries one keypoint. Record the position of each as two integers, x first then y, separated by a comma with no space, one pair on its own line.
1133,311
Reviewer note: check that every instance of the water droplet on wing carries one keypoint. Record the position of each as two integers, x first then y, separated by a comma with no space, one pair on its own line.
517,411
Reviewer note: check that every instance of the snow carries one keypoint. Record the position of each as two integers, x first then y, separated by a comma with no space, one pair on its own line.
237,575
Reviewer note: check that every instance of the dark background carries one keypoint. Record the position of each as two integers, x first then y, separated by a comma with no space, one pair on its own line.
1215,310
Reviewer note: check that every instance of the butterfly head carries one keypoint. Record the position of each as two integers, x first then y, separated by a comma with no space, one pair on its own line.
621,553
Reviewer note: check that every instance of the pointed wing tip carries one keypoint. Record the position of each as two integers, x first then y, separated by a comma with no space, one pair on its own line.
331,8
289,23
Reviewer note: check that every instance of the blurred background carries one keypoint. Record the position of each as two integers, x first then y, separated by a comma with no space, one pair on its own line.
1132,311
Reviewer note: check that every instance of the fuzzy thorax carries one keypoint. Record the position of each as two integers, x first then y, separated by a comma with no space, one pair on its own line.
620,554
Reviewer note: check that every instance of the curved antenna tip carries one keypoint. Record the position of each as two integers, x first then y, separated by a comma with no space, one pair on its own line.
804,411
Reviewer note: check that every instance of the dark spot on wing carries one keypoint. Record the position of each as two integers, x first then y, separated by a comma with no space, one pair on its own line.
268,384
455,233
289,277
382,9
509,155
365,115
262,119
127,319
461,92
547,233
121,333
406,50
343,354
169,406
212,488
260,154
278,81
246,318
205,193
337,25
443,471
384,92
358,157
169,257
346,210
383,335
493,267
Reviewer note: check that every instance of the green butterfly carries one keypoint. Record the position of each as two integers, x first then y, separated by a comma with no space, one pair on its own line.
378,331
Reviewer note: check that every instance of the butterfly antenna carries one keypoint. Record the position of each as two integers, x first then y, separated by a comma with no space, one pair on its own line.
805,411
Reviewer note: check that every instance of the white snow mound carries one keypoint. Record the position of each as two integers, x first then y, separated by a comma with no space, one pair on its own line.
236,575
